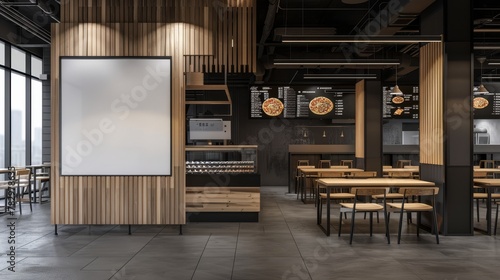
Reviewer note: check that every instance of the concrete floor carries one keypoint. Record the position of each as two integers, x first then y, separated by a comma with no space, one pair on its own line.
285,244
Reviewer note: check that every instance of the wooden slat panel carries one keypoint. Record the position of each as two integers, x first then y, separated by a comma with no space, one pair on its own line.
120,28
431,104
360,120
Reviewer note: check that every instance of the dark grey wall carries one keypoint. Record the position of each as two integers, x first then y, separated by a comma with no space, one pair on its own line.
274,135
46,107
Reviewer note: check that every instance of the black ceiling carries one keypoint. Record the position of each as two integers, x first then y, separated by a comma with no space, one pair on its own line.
26,23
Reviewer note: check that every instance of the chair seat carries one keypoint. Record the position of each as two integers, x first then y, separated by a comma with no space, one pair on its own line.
412,206
364,206
485,195
338,195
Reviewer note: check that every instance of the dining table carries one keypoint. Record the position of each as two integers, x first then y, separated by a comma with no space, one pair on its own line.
338,183
306,173
489,185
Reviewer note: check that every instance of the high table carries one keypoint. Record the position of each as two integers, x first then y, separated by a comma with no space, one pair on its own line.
305,173
332,183
489,185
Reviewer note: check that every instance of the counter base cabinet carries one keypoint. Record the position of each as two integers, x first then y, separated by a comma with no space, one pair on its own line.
234,199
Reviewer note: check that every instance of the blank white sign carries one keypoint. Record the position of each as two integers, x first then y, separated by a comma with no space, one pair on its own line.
115,116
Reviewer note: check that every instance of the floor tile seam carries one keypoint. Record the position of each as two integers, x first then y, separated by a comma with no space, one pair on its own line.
294,240
81,269
101,236
38,239
235,250
138,251
201,256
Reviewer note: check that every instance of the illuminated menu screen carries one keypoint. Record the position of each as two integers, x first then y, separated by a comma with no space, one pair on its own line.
401,106
487,105
301,102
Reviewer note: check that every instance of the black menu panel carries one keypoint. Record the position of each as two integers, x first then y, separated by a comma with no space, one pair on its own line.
401,106
487,105
301,102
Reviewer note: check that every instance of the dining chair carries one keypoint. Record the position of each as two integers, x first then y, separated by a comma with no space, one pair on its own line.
338,195
348,162
339,166
486,163
363,174
479,193
366,207
22,187
324,163
300,162
418,207
403,162
496,219
305,180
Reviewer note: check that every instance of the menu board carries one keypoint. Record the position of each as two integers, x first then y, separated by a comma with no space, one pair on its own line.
301,102
400,106
487,105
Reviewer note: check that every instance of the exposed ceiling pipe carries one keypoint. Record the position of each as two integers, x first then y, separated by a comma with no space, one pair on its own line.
266,31
25,23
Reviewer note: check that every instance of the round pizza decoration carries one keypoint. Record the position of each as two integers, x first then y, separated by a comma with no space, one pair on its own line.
321,105
272,107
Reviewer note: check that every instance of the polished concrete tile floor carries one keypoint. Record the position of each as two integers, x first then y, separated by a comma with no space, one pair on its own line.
285,244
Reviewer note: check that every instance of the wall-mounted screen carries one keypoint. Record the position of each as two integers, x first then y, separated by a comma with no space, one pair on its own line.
487,105
115,116
401,106
321,102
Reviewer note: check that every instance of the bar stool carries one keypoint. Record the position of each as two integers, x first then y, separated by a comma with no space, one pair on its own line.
348,162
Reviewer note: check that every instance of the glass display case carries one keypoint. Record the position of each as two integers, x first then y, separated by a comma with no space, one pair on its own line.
221,159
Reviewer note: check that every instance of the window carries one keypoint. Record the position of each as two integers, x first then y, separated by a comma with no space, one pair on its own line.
18,60
36,122
36,67
2,53
18,120
2,118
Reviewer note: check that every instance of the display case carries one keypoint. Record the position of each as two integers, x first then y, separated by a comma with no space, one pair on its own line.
223,159
222,183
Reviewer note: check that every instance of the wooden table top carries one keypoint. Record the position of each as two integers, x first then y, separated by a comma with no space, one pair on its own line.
488,170
401,169
487,182
319,170
375,182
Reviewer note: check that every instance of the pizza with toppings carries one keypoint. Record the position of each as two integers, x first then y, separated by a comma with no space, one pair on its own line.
480,103
398,100
321,105
272,107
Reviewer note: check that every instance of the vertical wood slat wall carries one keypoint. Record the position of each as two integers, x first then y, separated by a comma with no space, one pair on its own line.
431,104
360,120
134,28
230,25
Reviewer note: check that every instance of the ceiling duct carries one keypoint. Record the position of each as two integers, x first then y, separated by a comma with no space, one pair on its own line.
298,31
